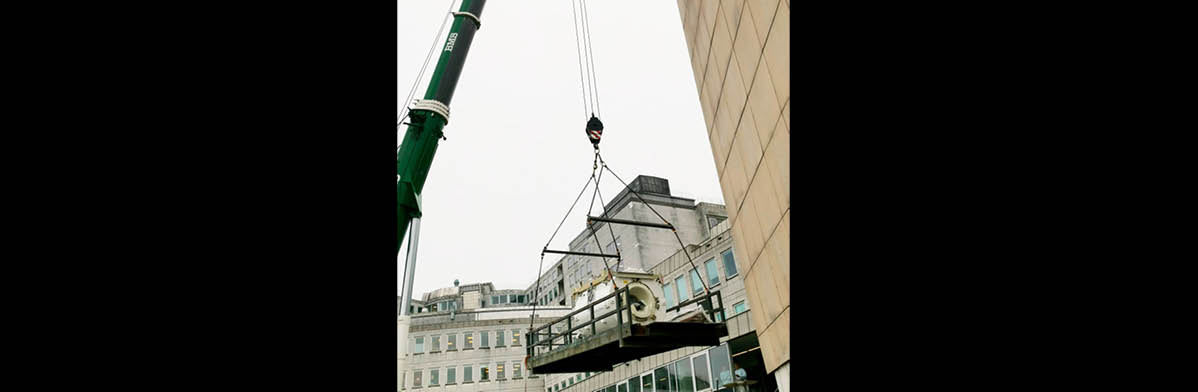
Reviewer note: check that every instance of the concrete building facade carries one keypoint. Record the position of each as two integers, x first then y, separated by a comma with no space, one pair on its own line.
468,339
640,247
740,56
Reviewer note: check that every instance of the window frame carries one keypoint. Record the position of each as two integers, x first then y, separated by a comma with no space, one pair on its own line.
736,271
712,272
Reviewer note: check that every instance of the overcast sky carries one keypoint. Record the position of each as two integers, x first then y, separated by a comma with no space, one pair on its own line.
517,155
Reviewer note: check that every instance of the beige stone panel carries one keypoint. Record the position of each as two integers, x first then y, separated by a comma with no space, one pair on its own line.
775,342
769,305
763,15
747,47
754,240
721,48
777,158
765,135
702,48
777,54
723,128
734,181
735,92
748,143
786,115
732,10
708,12
752,294
778,247
770,208
707,104
766,108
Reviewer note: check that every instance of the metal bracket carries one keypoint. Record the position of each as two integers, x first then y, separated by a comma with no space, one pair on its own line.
434,106
478,23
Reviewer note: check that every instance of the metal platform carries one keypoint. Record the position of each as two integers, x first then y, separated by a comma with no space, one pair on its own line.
567,352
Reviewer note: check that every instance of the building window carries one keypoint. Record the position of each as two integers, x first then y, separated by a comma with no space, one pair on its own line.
634,384
515,337
469,339
436,346
683,294
721,368
419,345
647,383
713,276
571,380
451,342
738,308
499,371
467,374
696,282
516,370
483,374
485,336
729,264
686,380
622,387
450,377
702,378
417,379
669,292
511,298
661,380
521,299
499,338
432,377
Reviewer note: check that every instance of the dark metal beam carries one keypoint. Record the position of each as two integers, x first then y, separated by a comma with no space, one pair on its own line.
566,252
629,222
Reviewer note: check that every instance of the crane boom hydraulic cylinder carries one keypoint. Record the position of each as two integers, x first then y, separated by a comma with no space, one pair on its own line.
429,116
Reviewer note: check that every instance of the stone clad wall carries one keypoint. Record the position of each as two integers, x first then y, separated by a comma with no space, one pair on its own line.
740,56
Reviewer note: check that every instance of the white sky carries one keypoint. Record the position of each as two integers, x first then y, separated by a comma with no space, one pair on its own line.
517,155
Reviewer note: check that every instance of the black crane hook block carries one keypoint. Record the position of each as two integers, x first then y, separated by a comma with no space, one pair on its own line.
594,130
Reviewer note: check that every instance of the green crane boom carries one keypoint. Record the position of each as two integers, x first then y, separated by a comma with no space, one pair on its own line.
429,116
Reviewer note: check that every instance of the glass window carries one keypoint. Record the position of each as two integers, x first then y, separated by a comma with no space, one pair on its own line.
436,346
483,341
721,367
571,380
669,291
611,388
686,380
417,378
702,378
696,282
469,339
661,380
467,374
647,383
450,377
729,264
511,298
520,298
516,369
483,374
672,370
683,294
622,387
419,345
451,342
432,377
634,384
515,337
713,276
499,371
738,308
499,338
